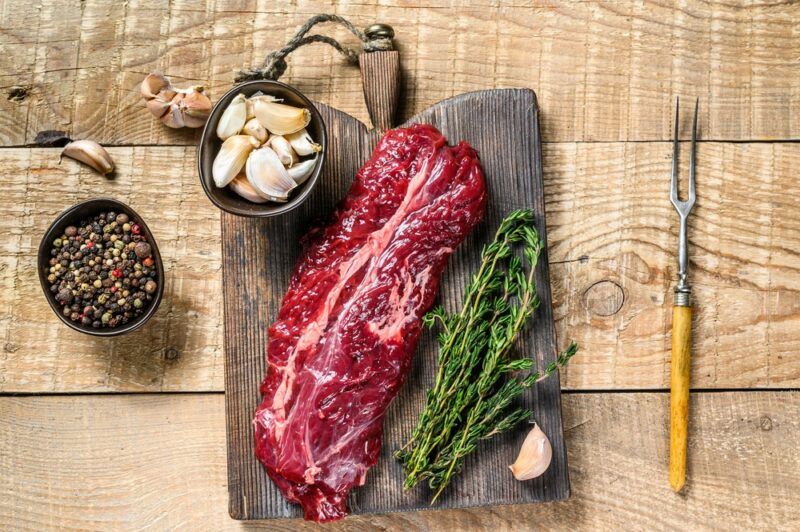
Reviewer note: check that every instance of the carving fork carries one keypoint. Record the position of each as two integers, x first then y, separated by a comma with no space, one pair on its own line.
681,322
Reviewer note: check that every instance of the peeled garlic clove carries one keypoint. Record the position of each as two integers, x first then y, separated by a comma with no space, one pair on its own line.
233,118
534,456
152,84
254,128
267,174
251,113
231,158
91,153
280,119
302,170
284,150
302,143
242,186
196,107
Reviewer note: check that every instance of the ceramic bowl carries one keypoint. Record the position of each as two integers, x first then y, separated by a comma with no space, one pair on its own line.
72,216
209,146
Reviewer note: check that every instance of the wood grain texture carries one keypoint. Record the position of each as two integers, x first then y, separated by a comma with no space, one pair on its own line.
603,71
257,265
158,461
612,241
680,382
380,75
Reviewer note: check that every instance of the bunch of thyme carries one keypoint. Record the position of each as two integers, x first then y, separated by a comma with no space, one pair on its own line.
471,398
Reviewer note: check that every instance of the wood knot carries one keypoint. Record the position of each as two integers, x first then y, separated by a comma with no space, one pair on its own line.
18,93
604,298
765,423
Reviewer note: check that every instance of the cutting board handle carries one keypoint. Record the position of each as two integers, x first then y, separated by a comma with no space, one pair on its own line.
380,74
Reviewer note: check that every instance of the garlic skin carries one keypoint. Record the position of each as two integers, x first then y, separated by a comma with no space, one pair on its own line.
233,118
302,170
90,153
284,150
231,158
302,143
534,456
267,174
254,128
278,118
242,186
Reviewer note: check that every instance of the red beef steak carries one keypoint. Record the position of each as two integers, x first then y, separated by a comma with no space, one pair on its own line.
348,326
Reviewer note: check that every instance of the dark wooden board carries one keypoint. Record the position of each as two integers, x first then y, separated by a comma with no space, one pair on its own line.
258,258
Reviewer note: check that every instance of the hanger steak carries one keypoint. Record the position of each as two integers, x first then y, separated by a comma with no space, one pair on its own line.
348,326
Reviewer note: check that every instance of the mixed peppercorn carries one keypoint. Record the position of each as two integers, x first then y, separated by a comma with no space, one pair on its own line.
102,271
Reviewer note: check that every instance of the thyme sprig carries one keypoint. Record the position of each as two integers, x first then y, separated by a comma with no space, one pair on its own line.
471,398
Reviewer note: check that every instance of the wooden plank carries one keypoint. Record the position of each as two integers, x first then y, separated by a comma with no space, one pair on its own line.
611,237
257,265
133,462
603,71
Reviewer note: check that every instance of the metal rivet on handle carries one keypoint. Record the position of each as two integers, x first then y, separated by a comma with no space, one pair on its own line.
379,31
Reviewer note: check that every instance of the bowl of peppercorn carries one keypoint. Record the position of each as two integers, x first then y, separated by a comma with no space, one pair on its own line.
100,268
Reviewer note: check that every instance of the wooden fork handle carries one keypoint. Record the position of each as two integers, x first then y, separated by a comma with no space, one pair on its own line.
679,394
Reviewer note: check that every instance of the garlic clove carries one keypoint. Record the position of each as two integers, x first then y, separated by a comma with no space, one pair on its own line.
159,104
242,186
302,170
284,150
302,143
251,113
91,153
233,118
152,84
267,174
196,108
254,128
280,119
534,456
231,158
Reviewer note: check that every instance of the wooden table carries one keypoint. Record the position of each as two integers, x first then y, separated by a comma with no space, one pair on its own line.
129,433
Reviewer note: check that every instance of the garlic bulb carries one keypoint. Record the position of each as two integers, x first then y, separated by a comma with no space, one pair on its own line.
242,186
254,128
231,158
280,119
267,174
302,143
91,153
302,170
284,150
534,456
233,118
175,107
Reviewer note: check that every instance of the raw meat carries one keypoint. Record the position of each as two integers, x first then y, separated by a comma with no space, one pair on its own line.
349,323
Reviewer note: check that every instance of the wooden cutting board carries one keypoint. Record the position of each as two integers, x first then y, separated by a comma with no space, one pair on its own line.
259,256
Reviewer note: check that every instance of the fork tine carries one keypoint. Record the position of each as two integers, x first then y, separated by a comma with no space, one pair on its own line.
694,150
673,195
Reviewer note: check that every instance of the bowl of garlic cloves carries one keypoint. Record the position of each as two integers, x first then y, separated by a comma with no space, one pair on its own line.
262,149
